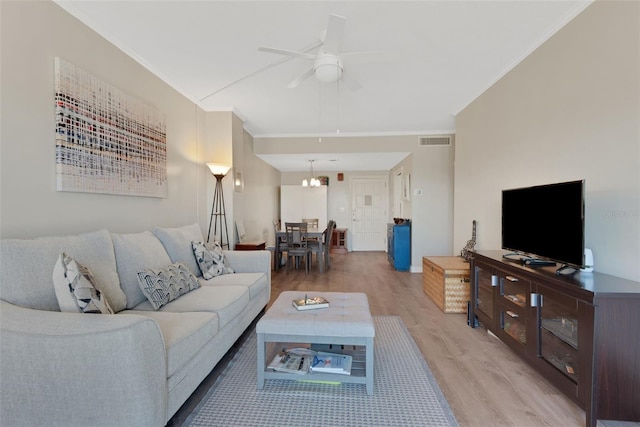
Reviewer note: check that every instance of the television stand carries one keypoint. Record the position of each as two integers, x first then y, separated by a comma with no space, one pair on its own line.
579,331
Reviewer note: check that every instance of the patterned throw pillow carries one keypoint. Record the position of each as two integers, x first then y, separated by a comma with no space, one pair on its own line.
75,288
211,259
163,285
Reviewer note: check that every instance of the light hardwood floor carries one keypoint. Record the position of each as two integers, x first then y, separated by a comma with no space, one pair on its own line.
485,383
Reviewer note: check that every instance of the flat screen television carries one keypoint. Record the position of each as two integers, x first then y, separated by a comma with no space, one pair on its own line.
545,222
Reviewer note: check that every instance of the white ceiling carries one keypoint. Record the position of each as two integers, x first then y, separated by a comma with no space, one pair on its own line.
446,53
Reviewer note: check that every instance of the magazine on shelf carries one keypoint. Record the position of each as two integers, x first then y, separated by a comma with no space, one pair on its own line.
310,303
303,360
294,361
331,363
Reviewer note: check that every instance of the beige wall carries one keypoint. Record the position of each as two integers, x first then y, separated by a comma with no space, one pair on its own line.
569,111
32,34
258,204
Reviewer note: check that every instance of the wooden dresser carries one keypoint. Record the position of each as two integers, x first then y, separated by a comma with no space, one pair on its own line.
445,279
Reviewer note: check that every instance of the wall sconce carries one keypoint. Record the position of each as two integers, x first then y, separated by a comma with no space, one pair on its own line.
238,182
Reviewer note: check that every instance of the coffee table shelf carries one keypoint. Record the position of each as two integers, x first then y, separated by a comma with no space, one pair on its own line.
358,364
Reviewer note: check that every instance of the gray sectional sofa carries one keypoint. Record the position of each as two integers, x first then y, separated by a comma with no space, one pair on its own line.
132,368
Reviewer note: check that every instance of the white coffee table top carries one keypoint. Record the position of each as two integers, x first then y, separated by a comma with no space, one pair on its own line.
348,315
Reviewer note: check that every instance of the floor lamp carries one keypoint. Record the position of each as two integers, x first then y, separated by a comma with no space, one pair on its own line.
218,213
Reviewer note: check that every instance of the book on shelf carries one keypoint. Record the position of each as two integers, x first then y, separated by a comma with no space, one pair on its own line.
331,363
310,303
293,361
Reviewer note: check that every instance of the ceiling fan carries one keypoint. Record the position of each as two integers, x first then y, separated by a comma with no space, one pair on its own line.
328,65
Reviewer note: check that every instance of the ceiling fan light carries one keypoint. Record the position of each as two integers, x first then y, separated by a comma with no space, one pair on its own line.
328,73
305,183
328,68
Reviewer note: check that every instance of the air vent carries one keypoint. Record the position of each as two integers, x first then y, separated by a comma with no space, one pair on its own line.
435,140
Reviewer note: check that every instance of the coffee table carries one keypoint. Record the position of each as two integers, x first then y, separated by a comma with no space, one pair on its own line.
346,322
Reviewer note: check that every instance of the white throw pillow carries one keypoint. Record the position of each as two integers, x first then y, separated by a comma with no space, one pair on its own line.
163,285
211,259
75,288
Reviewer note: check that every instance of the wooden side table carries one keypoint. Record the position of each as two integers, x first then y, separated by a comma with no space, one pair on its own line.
445,280
339,241
251,246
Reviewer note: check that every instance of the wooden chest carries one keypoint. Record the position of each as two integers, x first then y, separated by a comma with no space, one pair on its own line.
445,279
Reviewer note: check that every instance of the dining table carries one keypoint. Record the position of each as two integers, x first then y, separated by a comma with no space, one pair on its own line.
312,233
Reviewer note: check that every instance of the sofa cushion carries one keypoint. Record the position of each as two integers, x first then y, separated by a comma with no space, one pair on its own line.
26,266
177,242
249,261
211,259
256,282
226,301
136,252
184,334
163,285
75,288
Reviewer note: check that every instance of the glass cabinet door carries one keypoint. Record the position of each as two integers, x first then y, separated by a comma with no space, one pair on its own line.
558,327
485,284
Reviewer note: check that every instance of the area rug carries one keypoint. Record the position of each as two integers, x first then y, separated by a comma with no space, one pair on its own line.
406,393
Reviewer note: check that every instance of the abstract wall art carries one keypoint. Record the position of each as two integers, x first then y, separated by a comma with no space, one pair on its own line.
106,141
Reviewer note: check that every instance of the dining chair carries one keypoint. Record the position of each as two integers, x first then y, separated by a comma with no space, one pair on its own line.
281,243
311,222
314,246
297,244
327,244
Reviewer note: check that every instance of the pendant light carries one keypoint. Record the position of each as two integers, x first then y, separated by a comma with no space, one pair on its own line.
313,181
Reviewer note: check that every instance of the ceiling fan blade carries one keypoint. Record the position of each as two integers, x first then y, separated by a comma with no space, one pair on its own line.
351,83
302,77
335,30
287,52
373,56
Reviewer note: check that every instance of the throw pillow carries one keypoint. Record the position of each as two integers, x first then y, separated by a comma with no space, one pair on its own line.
211,259
75,288
163,285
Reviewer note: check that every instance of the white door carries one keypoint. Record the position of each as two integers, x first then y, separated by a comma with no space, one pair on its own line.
369,204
